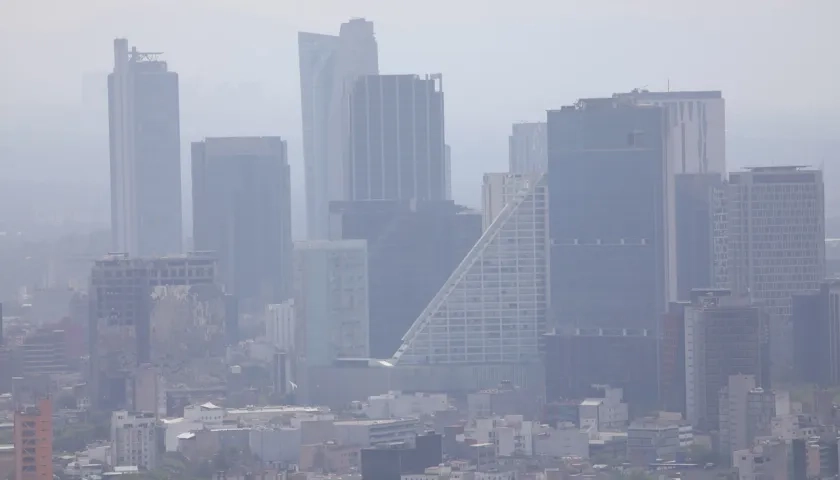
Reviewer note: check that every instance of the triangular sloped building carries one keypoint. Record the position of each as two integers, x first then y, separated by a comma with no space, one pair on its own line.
493,307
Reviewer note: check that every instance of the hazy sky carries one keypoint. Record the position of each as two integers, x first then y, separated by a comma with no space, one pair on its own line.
503,61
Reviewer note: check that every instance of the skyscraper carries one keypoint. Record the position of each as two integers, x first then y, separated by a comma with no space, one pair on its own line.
776,244
493,307
145,146
331,300
413,247
696,195
397,149
608,174
696,138
816,335
242,212
329,65
121,310
528,148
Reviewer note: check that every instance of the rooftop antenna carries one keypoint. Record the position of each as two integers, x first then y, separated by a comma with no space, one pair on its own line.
669,85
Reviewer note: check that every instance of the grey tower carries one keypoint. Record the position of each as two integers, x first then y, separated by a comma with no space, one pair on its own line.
608,174
145,143
397,149
776,245
242,211
328,67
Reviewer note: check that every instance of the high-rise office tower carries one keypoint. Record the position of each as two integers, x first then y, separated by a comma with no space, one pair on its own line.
493,307
397,149
145,144
776,245
447,167
723,336
528,148
696,195
696,138
33,436
815,320
331,300
121,313
608,175
329,65
242,212
413,247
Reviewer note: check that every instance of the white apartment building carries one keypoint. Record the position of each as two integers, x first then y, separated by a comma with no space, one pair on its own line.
492,309
604,414
133,439
399,405
331,300
367,433
511,434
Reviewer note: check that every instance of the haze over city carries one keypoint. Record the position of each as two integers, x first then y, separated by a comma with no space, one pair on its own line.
388,240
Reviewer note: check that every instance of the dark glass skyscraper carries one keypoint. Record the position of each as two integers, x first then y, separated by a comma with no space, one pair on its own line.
608,175
145,143
242,212
397,149
413,247
695,216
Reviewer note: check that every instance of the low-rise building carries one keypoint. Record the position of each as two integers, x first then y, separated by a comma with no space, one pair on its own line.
567,440
511,434
399,405
329,457
609,413
367,433
651,440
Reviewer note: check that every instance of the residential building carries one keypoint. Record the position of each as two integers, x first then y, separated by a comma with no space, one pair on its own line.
242,211
604,414
329,65
367,433
770,459
611,248
695,196
494,305
696,129
816,334
122,297
528,148
651,440
512,435
506,399
776,230
281,326
396,147
145,145
134,439
33,437
438,236
331,299
566,440
723,337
